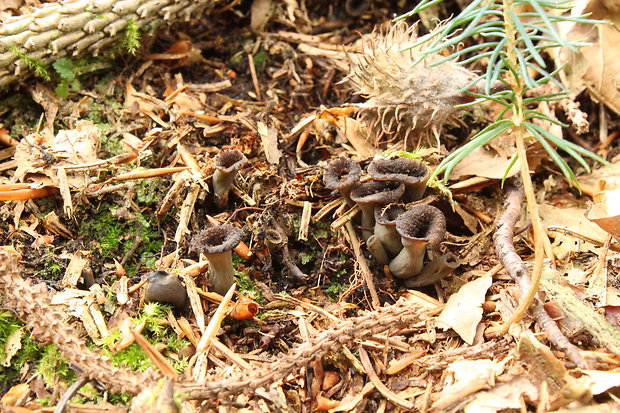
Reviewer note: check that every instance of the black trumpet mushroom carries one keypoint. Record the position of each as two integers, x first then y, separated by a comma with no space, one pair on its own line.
419,227
217,244
227,164
385,227
369,194
165,288
413,174
342,174
436,270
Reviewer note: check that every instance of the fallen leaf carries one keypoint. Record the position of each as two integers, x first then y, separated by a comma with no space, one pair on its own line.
505,396
463,311
601,381
269,141
606,212
572,218
597,65
261,11
12,346
15,393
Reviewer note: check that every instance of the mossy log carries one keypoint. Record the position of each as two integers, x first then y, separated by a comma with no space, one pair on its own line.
82,28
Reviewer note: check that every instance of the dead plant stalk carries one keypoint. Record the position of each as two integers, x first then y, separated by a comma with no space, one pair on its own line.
541,241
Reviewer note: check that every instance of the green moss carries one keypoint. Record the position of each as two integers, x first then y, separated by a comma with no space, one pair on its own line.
113,237
38,68
157,334
131,40
53,366
247,287
28,352
151,191
336,285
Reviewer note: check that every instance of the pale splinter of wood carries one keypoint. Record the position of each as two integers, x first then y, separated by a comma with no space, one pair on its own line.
305,221
202,350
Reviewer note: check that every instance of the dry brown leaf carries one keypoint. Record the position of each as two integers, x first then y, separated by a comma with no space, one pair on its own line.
505,396
38,157
463,311
606,212
601,381
596,67
12,346
603,178
574,219
15,394
269,141
261,12
483,162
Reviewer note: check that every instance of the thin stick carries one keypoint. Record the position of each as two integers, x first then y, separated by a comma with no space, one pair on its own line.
372,375
254,77
345,218
363,265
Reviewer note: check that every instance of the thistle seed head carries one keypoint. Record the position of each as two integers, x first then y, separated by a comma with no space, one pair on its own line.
406,98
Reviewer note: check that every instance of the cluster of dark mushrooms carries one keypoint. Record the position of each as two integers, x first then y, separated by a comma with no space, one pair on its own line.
395,236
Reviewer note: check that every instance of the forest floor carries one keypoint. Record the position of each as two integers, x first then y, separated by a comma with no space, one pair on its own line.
329,328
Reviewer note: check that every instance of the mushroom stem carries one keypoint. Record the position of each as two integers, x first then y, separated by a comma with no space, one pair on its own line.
410,260
437,269
222,183
376,250
385,228
368,220
221,271
227,163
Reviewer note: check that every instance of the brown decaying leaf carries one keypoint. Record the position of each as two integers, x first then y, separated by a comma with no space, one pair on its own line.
463,311
596,66
606,212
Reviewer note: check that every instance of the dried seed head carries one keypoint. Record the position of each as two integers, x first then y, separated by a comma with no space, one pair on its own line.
405,100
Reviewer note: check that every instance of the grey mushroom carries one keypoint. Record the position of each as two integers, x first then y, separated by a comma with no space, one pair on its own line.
385,227
227,163
342,174
217,244
369,194
419,227
436,270
413,174
165,288
377,250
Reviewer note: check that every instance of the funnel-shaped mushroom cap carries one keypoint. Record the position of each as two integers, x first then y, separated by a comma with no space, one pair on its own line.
341,172
422,223
229,160
418,227
343,175
387,215
372,193
217,244
412,173
216,239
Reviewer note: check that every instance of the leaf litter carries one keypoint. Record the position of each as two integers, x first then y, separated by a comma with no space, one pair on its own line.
128,174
